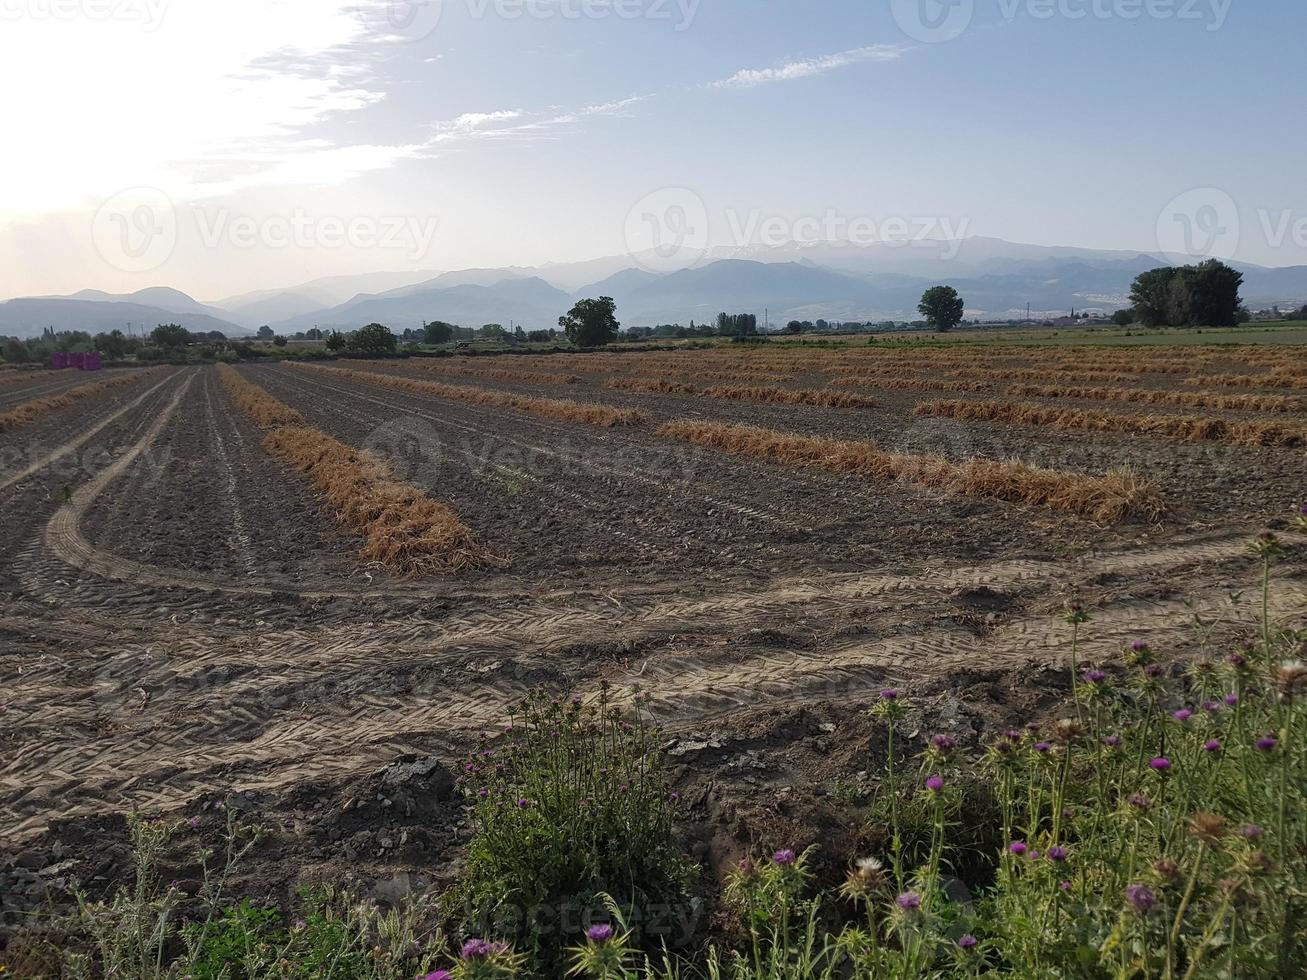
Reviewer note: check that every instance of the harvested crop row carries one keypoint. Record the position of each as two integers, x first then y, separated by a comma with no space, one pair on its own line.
819,397
494,374
1250,381
1044,375
29,411
1188,428
402,528
548,408
1119,495
10,378
912,384
1149,396
694,374
263,410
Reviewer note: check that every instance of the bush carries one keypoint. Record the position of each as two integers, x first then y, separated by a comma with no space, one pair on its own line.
574,804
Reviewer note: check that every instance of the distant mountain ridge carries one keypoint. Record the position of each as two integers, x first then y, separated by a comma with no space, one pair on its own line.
807,281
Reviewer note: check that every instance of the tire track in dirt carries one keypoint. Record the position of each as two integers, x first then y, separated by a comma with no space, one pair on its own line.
81,439
240,535
147,758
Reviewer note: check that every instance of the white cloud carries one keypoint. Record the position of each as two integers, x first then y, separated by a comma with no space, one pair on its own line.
753,77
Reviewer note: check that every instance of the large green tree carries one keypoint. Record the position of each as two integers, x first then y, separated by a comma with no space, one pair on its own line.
591,322
170,336
1203,295
438,332
375,338
942,307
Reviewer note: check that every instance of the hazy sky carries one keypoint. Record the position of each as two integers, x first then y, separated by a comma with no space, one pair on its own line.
221,146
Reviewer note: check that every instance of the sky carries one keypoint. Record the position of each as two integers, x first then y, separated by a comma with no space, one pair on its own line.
226,146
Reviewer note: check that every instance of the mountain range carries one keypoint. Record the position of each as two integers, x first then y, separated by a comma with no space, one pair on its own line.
826,280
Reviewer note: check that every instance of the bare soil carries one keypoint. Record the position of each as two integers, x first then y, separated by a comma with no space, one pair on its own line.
180,624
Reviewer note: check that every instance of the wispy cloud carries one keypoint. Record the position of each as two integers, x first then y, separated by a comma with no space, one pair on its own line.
753,77
516,124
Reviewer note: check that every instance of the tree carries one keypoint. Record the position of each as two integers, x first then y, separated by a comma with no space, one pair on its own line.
313,334
541,336
591,322
265,332
491,331
438,332
794,326
170,336
1203,295
335,341
375,338
942,307
1123,318
15,351
279,341
113,344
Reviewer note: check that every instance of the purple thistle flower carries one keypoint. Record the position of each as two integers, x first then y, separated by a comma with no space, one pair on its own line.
1018,847
523,802
1153,671
1139,646
1266,743
785,856
1183,715
967,942
1112,741
599,933
889,694
674,796
1139,801
1057,854
1232,699
438,975
943,743
1212,706
475,949
1211,745
1095,676
1251,831
1238,661
1160,764
483,792
908,901
1064,885
1141,897
1041,746
1013,735
194,823
935,783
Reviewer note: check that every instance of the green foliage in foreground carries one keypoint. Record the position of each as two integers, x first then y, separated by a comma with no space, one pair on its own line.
1158,830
